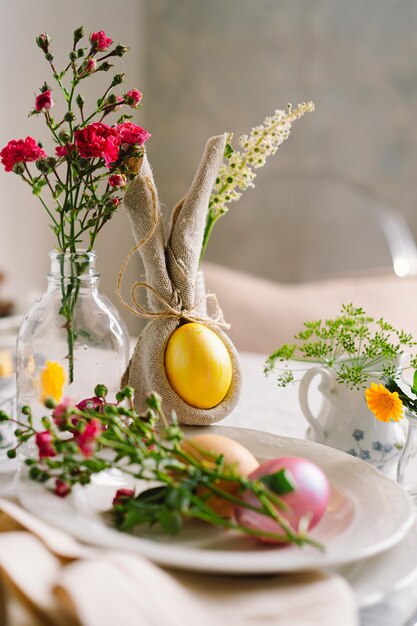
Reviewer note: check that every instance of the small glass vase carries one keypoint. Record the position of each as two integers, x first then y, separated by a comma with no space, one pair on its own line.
407,465
71,339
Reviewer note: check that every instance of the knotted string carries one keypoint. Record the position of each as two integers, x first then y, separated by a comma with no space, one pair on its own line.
168,312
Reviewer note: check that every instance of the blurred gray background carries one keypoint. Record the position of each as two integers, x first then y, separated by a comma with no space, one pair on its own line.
207,66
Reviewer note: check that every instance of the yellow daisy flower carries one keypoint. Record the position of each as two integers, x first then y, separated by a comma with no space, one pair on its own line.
384,404
52,381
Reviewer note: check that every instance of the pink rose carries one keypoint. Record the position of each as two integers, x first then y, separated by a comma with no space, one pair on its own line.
63,151
62,489
21,150
117,180
87,438
98,140
100,41
132,134
122,495
60,412
115,201
44,101
44,442
90,66
91,404
133,97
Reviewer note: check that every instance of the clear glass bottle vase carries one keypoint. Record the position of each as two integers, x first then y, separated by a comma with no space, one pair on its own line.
71,339
407,465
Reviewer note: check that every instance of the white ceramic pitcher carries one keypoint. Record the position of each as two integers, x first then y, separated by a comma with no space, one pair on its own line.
345,422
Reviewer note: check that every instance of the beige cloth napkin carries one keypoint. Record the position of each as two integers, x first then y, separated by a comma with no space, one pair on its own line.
47,578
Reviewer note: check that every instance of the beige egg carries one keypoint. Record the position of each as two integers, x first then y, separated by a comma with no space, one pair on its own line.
206,446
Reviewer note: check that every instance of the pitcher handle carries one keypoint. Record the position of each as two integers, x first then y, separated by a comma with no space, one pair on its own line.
326,384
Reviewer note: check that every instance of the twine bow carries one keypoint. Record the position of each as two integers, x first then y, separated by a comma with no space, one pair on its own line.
168,311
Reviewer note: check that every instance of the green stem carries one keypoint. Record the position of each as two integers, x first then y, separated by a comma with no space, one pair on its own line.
211,220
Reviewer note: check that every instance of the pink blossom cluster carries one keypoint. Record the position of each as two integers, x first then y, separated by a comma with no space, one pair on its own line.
85,437
96,140
20,151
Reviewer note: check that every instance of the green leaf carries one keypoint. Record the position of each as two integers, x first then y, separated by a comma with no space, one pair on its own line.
156,495
65,311
133,518
178,499
280,482
170,521
37,186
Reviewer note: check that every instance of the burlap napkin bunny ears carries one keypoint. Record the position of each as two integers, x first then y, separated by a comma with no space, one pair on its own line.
171,268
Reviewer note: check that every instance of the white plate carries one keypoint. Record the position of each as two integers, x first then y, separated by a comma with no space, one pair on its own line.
381,576
368,514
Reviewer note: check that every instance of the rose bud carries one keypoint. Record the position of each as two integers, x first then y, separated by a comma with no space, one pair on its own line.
120,51
91,404
64,136
19,168
100,41
90,66
114,103
86,439
63,151
133,97
122,495
62,489
60,412
104,67
42,166
44,442
43,42
117,80
117,180
112,203
78,34
44,101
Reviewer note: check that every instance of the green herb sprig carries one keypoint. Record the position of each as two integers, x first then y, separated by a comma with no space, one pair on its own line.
356,346
78,443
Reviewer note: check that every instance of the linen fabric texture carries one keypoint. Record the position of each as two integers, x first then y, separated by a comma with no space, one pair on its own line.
47,578
171,268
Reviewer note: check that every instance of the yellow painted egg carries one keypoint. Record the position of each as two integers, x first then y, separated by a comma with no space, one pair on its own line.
198,365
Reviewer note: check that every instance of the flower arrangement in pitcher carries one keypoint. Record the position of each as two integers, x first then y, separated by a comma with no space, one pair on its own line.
80,184
358,347
345,355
